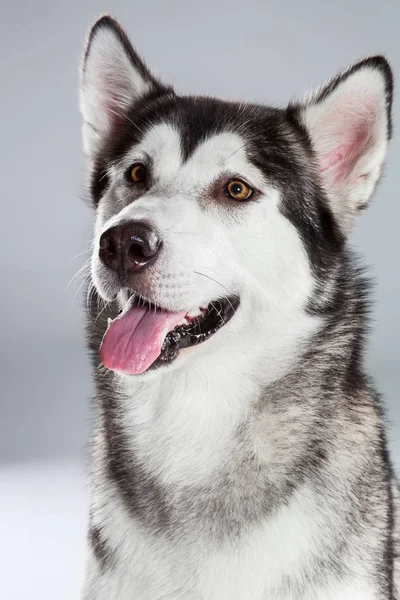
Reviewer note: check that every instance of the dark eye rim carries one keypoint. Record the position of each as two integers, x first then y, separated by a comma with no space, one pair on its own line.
243,182
129,173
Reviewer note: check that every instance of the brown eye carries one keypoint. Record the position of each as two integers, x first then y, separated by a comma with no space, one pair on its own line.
238,190
138,173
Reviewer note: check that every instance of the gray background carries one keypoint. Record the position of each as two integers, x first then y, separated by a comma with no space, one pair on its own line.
264,51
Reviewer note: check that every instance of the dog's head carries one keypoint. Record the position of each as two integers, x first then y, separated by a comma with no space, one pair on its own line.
220,218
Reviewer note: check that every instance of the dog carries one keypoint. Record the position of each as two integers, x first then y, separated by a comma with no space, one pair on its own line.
239,449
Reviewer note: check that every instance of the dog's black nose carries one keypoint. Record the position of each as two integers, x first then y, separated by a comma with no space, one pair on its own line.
129,247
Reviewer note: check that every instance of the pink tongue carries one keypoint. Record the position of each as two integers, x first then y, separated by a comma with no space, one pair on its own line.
133,340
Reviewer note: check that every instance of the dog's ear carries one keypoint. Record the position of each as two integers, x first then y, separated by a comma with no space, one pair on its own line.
349,124
113,78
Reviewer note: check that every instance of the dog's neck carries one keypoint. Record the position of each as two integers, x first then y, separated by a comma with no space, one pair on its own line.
182,423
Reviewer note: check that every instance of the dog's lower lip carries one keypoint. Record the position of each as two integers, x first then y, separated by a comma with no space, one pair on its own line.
146,336
198,330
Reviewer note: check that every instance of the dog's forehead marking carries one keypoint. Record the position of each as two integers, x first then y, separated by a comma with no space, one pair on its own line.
162,144
217,153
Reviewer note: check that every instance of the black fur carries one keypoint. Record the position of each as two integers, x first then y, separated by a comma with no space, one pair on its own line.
100,547
151,502
327,386
274,143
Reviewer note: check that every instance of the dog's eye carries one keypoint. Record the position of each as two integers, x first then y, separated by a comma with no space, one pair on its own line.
238,190
138,173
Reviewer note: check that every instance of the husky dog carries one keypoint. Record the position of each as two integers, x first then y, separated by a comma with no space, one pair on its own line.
239,450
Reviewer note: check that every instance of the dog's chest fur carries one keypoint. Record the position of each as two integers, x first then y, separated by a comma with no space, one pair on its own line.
273,560
239,452
220,490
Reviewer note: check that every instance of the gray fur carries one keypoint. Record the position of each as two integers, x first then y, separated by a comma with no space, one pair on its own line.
315,433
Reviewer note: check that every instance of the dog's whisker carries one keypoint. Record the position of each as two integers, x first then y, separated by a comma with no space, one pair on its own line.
79,288
176,223
90,293
212,279
220,284
238,150
103,309
82,272
216,310
80,254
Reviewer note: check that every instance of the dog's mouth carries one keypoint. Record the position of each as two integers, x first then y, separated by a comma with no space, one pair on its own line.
145,337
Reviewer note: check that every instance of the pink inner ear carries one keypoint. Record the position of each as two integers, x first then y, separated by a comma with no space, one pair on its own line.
351,136
113,101
341,160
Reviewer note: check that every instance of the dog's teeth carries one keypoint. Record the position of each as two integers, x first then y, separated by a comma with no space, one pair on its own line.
109,321
194,312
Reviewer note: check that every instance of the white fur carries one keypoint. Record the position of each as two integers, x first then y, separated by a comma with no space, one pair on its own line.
203,259
189,420
254,567
109,85
180,421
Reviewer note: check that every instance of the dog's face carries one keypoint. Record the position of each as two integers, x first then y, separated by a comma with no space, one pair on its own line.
218,222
